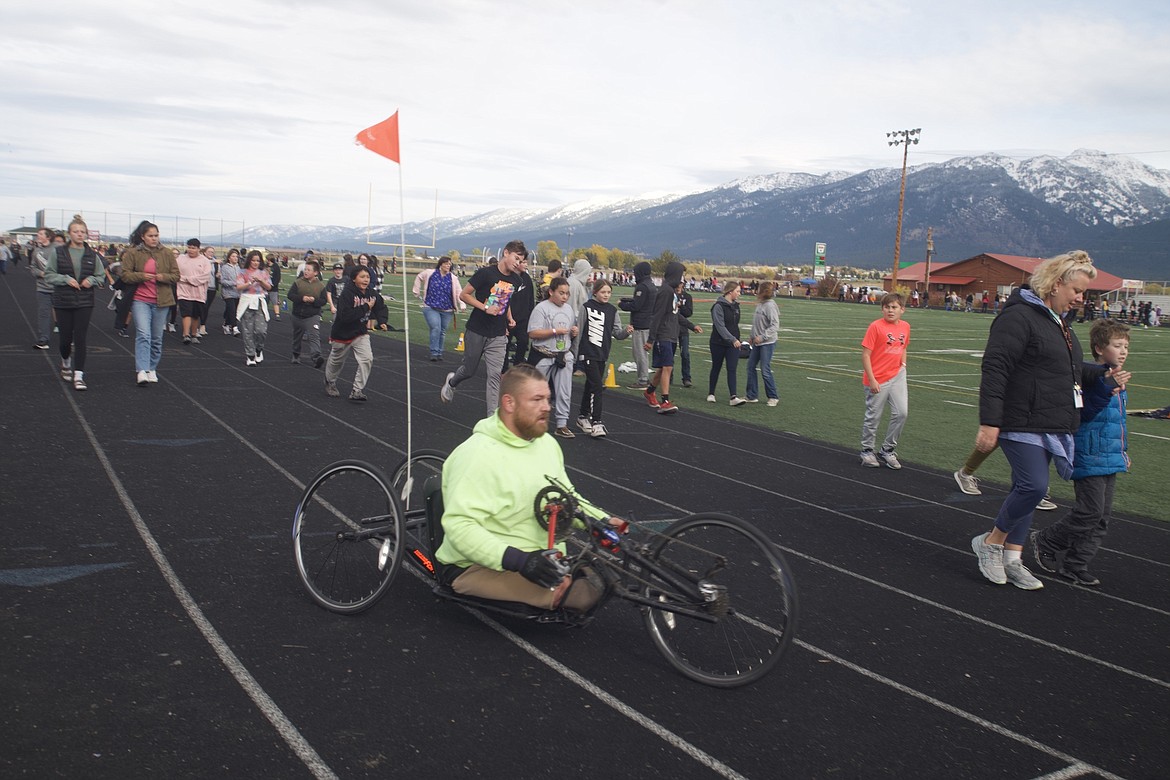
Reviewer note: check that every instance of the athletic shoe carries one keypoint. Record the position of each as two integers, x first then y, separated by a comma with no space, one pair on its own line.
235,331
170,327
40,346
639,385
66,372
1044,559
78,382
598,431
446,392
565,433
227,330
123,332
890,459
152,377
1046,504
869,460
667,407
186,339
331,389
202,332
141,379
710,399
296,360
196,340
752,400
1080,577
357,396
736,401
259,358
250,362
1018,575
318,361
990,559
968,483
585,424
687,383
773,401
651,398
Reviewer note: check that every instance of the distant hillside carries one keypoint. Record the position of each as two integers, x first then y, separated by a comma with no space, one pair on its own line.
1113,206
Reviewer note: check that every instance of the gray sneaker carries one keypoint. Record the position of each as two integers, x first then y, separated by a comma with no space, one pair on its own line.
1046,504
446,392
890,459
1018,575
990,559
331,389
968,483
870,460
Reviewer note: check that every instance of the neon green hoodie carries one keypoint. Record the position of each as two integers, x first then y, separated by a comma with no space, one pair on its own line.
490,484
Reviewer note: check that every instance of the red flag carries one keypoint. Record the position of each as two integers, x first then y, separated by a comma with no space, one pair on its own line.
382,138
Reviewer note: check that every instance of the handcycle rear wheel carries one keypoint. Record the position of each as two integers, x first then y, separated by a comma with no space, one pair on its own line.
756,621
423,465
347,534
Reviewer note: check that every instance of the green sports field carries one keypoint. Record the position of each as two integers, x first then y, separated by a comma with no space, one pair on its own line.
818,374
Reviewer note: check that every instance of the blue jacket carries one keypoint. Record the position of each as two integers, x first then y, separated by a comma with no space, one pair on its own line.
1101,440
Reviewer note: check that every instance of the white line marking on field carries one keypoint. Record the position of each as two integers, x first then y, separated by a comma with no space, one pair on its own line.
818,379
958,403
1149,436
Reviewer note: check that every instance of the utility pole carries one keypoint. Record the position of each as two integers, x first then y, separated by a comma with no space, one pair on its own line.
929,254
901,138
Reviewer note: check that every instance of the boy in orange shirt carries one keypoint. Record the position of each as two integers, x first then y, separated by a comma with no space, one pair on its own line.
883,358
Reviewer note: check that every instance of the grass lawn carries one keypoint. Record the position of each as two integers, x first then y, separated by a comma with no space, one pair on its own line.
818,375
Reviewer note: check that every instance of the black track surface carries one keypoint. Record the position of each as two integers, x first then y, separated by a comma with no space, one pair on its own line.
152,623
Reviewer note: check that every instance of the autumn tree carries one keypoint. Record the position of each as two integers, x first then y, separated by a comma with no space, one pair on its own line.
546,251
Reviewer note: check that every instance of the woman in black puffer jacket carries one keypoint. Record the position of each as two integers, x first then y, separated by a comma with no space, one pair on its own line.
75,271
1029,403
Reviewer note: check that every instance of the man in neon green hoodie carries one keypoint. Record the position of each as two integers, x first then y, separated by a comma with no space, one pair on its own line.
490,484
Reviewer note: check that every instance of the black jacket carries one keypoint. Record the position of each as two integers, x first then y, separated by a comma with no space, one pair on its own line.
641,306
353,312
1029,370
66,297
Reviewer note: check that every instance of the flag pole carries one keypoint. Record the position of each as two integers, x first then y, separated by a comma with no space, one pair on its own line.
405,326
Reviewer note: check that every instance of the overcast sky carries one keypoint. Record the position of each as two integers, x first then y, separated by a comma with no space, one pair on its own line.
247,110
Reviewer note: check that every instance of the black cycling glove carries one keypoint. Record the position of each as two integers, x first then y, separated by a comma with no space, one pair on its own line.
533,566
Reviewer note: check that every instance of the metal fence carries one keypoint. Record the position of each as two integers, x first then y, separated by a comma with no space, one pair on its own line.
117,226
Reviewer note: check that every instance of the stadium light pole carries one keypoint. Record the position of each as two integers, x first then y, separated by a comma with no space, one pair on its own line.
901,138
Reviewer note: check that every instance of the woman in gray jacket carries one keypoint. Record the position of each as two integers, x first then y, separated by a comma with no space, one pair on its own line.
765,326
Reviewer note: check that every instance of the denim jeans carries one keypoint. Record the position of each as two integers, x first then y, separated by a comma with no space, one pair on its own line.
761,356
149,322
438,322
44,316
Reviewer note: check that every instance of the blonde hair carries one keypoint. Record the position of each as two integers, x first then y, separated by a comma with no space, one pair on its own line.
1061,268
77,220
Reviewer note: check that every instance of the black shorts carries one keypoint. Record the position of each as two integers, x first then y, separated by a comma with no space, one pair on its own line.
191,308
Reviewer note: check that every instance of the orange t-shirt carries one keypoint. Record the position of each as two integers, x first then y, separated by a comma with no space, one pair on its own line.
887,346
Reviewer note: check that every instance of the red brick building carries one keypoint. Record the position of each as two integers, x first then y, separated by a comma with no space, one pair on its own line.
984,273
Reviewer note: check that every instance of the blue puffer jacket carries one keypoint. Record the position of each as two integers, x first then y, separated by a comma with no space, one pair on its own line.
1101,441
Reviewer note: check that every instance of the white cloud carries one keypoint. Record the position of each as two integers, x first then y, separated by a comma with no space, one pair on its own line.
248,112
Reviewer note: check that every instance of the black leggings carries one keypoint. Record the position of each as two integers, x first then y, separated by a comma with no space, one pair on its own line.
73,325
594,388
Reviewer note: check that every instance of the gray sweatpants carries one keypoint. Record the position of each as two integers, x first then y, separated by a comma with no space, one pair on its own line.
362,352
562,382
641,356
490,350
1079,533
306,329
893,394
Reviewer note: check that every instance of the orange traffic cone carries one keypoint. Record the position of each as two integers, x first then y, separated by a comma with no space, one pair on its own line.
610,378
459,346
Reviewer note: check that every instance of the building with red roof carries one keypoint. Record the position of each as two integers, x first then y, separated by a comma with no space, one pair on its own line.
990,273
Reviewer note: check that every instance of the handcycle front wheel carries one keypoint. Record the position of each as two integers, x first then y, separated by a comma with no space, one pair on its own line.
755,611
347,534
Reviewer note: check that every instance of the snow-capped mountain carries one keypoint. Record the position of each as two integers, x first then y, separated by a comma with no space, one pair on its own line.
1111,205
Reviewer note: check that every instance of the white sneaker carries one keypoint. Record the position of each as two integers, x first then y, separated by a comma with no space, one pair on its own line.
227,330
869,460
752,400
597,431
736,401
710,399
773,401
585,424
1046,504
250,362
1018,575
259,358
968,483
141,378
152,377
890,459
446,392
990,558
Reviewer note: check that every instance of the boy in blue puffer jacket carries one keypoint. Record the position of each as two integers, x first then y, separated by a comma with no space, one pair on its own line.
1100,455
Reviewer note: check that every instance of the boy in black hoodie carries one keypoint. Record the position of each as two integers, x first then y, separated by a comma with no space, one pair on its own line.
359,311
641,309
663,337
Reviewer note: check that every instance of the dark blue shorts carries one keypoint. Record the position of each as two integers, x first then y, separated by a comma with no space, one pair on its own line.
663,356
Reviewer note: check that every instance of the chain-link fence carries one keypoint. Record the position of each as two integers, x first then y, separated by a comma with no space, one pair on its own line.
117,226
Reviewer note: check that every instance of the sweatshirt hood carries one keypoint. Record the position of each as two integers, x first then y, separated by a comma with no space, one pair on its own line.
493,427
673,274
641,271
581,270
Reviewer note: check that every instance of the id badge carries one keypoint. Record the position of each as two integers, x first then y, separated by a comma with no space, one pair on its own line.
1078,398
